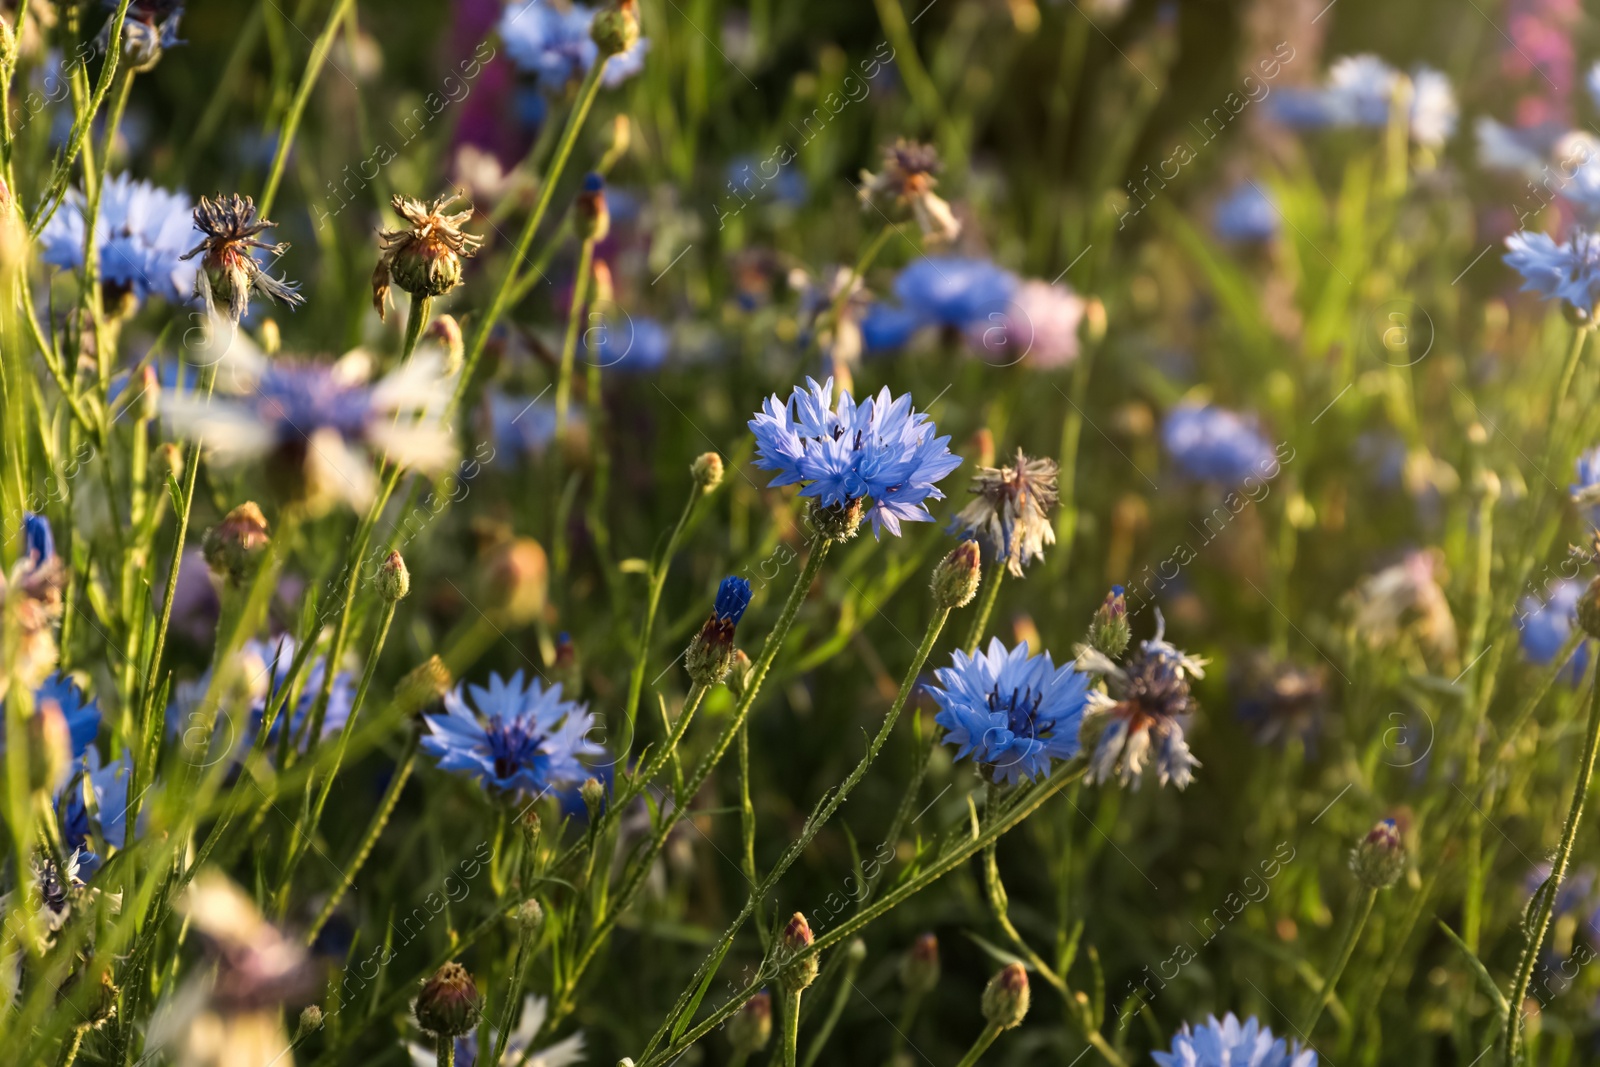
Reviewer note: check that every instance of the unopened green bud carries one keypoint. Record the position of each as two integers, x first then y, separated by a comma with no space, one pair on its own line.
837,522
738,677
530,916
149,394
517,581
1379,859
616,29
1005,1000
449,1004
310,1021
797,936
919,968
955,579
566,670
167,460
751,1026
8,47
271,337
423,685
1094,320
594,796
593,216
234,546
1109,632
394,581
707,471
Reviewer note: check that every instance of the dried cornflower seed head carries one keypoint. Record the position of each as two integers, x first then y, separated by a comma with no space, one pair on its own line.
424,257
1012,512
906,182
229,270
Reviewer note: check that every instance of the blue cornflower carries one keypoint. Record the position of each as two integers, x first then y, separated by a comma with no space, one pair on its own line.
1217,445
636,344
38,538
1230,1043
1248,213
150,27
886,327
522,425
1360,92
30,596
1138,726
1009,711
953,291
880,449
82,716
747,178
1544,627
313,419
142,234
109,787
553,42
710,652
1569,271
264,670
515,738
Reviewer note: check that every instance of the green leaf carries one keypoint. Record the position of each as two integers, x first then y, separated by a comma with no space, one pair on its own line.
1491,990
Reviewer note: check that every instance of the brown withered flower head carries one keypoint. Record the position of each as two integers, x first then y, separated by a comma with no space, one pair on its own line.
424,258
229,267
907,181
1011,512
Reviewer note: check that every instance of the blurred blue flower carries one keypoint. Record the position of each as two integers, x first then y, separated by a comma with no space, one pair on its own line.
264,670
1011,712
786,185
881,449
554,43
82,716
634,344
38,538
142,234
1586,490
1360,92
511,737
1544,626
109,786
522,425
886,327
149,27
1521,150
1138,724
1568,271
953,291
1248,213
1229,1043
1217,445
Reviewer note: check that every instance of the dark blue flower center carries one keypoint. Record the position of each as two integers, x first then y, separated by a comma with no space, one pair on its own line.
513,745
1021,708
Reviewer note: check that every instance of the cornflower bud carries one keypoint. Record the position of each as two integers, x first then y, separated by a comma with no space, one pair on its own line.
310,1021
517,580
710,653
1589,608
271,337
739,673
149,394
707,471
594,796
1379,859
449,1004
751,1026
49,748
797,975
955,579
1109,632
1005,1000
566,669
233,548
1094,320
919,968
530,916
168,460
594,218
423,685
616,29
394,581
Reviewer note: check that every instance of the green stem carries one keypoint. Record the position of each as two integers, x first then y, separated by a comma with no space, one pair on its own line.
497,307
791,1026
416,322
569,345
1067,464
380,819
1352,934
447,1050
291,121
1540,923
980,1046
841,997
658,580
980,621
